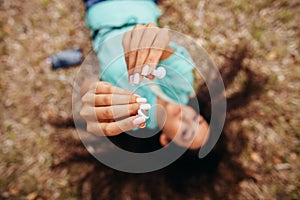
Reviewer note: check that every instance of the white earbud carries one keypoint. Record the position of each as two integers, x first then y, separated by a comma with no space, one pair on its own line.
143,113
160,72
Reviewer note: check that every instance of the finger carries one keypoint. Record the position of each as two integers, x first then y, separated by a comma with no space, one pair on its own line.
91,113
149,36
114,99
152,60
126,46
159,45
136,35
102,87
116,111
114,128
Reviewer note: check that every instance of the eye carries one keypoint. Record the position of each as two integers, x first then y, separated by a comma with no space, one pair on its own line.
183,133
187,137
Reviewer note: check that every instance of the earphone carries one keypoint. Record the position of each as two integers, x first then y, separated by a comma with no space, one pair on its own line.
160,72
143,113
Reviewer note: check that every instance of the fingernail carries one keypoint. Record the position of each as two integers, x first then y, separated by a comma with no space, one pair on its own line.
139,120
143,126
141,100
143,113
131,80
136,95
146,106
145,70
136,78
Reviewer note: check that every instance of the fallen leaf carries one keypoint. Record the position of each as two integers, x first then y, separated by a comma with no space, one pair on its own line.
31,196
256,158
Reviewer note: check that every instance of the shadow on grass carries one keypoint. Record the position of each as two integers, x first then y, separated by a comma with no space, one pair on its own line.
216,176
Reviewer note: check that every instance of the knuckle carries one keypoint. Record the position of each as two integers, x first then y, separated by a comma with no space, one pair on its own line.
101,87
107,113
132,99
138,26
104,130
113,90
108,89
106,100
108,130
151,60
143,52
133,108
106,83
151,25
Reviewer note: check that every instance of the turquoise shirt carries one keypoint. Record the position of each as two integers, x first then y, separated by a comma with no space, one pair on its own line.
178,82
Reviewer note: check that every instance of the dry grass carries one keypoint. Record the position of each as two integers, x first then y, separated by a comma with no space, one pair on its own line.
259,149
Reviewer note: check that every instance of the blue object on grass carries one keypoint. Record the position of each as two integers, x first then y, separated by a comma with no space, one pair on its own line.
67,58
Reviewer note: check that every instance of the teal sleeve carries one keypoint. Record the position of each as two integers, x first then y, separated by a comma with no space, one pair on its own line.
117,13
179,79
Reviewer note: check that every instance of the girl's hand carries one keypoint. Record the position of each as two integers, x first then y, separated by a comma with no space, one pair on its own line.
109,110
144,47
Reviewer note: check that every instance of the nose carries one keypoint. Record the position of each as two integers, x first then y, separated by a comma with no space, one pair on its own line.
173,109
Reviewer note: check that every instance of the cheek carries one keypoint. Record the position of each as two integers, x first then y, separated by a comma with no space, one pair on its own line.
172,127
177,126
161,115
173,110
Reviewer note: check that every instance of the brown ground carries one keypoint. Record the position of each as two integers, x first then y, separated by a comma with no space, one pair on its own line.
256,46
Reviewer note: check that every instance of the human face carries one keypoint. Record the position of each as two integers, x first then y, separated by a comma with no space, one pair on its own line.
184,126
